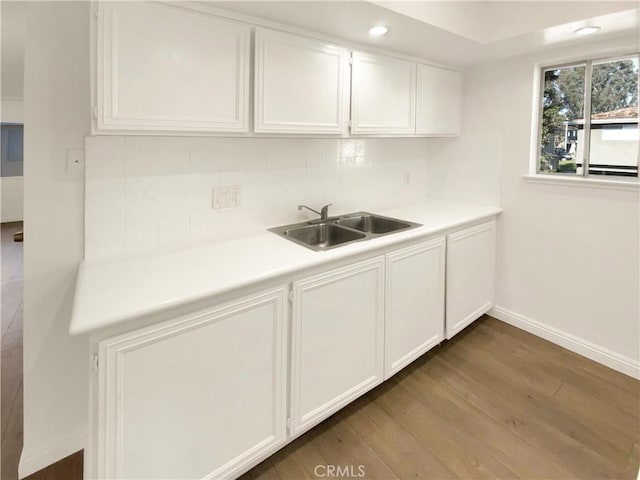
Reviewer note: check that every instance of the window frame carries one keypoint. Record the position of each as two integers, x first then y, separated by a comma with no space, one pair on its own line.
584,179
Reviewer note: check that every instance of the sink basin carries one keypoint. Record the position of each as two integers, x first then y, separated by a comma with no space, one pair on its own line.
323,235
373,224
326,233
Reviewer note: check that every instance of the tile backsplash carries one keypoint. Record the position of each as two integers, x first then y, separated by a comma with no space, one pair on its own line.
151,193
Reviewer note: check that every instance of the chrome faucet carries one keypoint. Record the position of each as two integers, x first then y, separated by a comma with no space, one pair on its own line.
324,211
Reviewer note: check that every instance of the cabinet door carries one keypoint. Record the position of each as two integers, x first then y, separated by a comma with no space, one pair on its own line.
337,340
471,264
301,84
439,101
383,95
168,68
414,320
200,396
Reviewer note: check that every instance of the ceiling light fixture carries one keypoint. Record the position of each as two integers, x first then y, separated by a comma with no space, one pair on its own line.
587,30
378,30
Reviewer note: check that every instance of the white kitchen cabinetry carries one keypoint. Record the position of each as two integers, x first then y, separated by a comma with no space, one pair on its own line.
166,68
439,101
471,263
301,84
199,396
414,303
337,340
383,95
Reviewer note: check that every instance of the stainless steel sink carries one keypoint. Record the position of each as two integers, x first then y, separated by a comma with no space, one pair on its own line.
373,224
322,235
327,233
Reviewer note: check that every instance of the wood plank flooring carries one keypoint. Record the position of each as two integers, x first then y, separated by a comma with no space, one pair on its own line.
11,351
494,402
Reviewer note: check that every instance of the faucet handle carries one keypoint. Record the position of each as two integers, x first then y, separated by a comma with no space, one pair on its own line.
324,211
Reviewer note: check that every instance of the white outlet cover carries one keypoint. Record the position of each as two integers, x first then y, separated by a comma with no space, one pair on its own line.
227,197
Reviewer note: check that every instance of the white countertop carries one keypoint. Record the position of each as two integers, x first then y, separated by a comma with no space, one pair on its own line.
111,291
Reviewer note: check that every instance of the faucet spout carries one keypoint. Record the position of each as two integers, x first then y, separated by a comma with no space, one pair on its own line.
300,207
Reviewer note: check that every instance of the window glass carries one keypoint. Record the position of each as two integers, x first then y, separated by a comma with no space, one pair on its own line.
562,111
608,140
11,145
613,137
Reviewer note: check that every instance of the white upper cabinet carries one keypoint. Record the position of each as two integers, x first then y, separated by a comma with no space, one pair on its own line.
301,84
383,95
439,101
168,68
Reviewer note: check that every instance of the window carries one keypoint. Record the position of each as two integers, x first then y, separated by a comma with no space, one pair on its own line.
11,149
589,119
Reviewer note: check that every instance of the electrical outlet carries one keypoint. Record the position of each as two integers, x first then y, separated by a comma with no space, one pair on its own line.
227,197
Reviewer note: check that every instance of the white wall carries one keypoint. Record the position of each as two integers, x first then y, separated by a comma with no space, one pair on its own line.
149,193
12,110
11,199
11,188
56,111
568,257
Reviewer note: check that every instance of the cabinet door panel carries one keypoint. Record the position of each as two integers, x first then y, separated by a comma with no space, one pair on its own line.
300,84
471,264
414,320
199,397
337,340
439,101
383,93
164,67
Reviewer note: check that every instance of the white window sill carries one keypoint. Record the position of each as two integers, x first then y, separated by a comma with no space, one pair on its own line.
565,180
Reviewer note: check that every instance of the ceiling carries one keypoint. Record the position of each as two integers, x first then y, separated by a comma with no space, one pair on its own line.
460,33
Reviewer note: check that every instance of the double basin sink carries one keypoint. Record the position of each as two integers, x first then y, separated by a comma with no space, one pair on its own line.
324,234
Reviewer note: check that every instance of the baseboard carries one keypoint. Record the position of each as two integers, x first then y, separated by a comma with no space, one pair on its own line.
594,352
32,463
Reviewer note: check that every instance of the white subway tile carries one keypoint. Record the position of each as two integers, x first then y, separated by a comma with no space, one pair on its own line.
141,156
104,157
160,194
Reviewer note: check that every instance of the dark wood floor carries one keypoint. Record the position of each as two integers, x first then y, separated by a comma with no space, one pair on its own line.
495,402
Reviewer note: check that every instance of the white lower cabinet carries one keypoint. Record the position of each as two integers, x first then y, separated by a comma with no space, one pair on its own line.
414,303
471,264
202,396
337,340
212,393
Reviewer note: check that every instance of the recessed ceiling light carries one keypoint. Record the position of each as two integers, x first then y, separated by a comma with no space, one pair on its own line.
378,30
587,30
